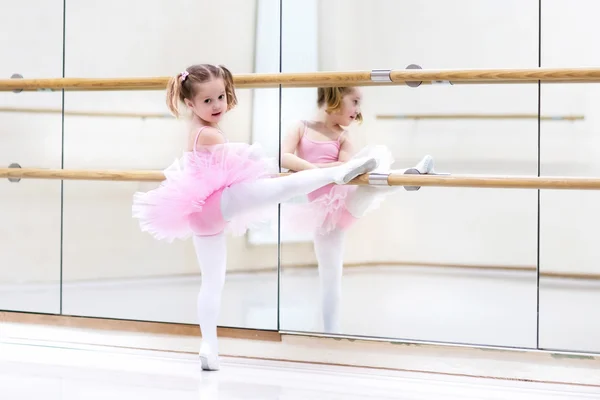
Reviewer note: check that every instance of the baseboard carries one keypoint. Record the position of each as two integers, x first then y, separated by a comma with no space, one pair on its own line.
131,326
507,364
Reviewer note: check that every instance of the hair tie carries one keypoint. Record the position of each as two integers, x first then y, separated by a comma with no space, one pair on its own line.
184,75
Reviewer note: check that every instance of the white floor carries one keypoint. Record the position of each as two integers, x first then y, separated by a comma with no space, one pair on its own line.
42,371
432,304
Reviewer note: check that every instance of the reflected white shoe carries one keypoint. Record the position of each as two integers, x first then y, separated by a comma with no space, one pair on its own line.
425,166
208,358
354,168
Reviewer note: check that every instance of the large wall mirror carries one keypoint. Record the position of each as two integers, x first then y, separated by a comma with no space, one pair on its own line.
31,137
447,265
569,262
110,268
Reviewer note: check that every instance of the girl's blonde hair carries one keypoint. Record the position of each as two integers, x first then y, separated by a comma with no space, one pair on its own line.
183,85
331,99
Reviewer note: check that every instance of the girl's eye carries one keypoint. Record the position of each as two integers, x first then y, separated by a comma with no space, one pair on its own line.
207,101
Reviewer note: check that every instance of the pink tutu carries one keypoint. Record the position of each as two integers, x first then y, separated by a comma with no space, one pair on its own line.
325,211
187,202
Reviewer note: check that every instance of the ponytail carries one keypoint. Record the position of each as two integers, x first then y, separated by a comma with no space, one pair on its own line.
174,94
229,88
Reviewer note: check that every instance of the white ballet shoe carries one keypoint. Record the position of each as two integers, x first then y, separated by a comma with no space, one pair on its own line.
425,166
354,168
208,359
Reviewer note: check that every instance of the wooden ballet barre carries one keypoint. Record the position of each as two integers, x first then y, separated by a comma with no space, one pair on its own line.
394,179
85,113
332,78
479,116
82,175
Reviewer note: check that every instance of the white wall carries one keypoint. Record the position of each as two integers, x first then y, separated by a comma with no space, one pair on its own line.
452,226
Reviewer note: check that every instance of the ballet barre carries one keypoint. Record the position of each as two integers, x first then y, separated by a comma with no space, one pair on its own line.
16,110
479,116
409,179
409,77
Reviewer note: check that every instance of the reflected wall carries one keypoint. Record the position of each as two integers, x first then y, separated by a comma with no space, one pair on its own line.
31,136
438,264
569,262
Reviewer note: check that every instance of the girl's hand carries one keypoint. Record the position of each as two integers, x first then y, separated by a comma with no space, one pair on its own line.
289,159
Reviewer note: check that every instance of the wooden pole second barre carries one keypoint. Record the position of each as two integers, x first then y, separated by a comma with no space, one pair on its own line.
486,181
393,179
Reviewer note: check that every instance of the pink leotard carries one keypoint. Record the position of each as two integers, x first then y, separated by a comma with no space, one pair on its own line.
330,198
209,221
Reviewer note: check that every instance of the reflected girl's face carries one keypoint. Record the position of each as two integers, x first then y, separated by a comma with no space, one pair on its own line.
350,107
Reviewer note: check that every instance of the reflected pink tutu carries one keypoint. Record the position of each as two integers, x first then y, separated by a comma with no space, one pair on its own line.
187,202
325,211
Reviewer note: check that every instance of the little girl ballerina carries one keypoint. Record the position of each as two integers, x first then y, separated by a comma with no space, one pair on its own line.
323,144
218,186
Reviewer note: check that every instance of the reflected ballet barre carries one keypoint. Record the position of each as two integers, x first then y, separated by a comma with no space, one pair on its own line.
479,117
85,113
409,77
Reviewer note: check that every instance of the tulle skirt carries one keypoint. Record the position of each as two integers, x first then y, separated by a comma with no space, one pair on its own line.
328,207
187,202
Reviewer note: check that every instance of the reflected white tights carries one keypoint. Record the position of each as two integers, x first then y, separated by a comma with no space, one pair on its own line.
329,249
211,251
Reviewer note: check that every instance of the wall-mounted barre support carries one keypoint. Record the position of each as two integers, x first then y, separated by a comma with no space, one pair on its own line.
479,116
315,79
393,179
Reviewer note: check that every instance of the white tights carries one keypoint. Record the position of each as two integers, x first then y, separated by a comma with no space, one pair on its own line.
212,251
212,257
246,196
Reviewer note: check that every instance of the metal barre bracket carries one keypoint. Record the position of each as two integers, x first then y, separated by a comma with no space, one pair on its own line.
14,180
417,83
378,179
381,75
17,76
441,83
412,171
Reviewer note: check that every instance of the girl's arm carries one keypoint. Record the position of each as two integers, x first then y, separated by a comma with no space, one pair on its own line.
346,149
289,159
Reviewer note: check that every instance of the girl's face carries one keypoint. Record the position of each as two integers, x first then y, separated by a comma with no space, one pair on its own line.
350,107
210,102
